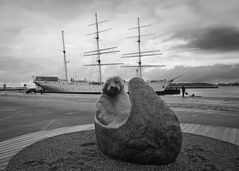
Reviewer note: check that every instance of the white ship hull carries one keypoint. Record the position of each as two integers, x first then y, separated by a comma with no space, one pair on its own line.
87,88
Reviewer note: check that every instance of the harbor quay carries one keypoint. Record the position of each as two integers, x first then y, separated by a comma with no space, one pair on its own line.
26,119
26,113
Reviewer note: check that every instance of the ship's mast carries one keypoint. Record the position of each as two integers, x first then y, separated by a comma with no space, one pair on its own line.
64,54
139,46
99,51
98,46
140,53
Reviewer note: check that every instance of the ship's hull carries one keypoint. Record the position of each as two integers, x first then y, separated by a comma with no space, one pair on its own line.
87,88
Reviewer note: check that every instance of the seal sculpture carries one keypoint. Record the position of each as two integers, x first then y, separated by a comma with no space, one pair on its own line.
138,127
113,106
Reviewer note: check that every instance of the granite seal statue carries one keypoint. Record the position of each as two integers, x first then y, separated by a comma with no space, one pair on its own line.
138,127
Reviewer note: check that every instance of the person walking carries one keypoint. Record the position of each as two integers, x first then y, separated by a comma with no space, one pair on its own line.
183,91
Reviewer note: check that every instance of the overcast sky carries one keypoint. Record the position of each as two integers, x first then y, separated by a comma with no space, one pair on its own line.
199,38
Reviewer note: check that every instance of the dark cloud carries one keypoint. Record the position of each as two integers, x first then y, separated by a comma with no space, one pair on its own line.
214,73
221,39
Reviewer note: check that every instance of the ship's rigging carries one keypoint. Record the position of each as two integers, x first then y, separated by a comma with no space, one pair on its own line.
141,53
98,52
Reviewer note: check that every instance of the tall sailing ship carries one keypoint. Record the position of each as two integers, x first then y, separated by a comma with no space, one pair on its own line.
55,85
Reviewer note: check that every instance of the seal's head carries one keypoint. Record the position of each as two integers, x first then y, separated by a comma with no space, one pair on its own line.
113,86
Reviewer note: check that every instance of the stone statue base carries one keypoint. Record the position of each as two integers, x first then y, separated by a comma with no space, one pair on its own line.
140,128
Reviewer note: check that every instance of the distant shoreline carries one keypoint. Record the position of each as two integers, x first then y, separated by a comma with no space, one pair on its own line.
193,87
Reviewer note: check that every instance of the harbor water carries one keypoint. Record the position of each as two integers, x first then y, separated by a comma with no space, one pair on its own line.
227,91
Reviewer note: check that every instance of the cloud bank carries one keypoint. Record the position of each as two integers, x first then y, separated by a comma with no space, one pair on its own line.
214,73
217,39
192,35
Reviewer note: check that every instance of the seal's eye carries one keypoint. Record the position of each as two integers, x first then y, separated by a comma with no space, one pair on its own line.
116,82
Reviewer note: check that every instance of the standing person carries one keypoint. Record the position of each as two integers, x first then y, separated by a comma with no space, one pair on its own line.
183,91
